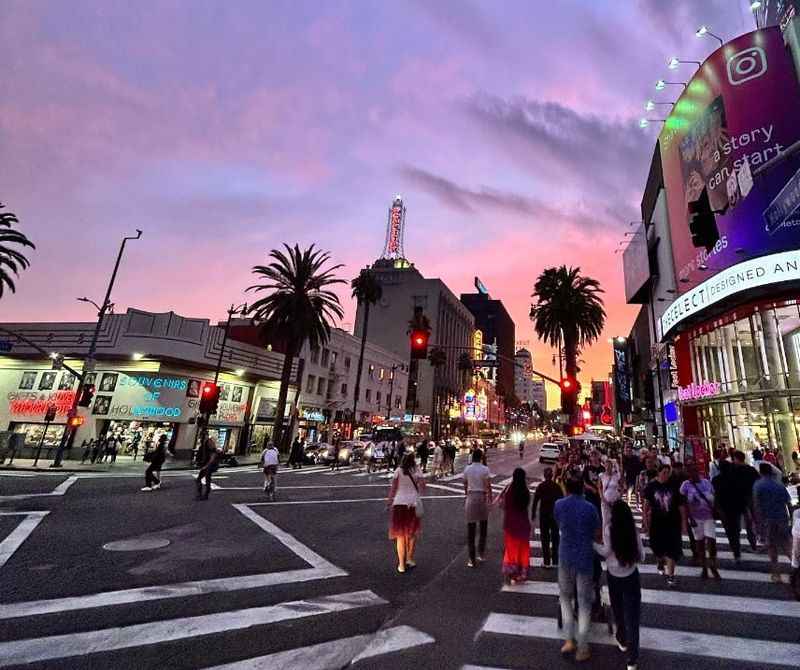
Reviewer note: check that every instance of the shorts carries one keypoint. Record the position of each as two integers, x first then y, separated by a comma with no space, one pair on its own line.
705,529
777,533
270,469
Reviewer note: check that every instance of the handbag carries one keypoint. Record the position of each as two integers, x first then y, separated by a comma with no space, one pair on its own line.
419,508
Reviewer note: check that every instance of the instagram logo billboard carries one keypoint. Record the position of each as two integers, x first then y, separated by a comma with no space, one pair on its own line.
746,65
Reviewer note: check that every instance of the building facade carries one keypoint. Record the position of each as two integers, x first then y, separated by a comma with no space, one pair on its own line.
149,368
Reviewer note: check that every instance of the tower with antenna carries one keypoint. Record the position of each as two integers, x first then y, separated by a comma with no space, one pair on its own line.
395,229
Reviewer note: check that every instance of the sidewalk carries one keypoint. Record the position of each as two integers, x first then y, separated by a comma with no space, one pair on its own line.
124,464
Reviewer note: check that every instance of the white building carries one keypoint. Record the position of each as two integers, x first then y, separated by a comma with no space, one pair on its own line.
329,381
539,393
527,388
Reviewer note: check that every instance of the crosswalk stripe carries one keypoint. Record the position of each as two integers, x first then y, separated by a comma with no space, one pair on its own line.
34,650
692,571
342,471
337,653
721,538
17,536
693,600
718,647
452,489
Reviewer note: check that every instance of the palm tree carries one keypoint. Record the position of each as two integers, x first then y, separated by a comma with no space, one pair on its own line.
11,260
299,307
568,311
367,291
465,366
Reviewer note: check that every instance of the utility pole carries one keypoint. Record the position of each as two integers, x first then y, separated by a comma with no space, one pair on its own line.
89,363
391,393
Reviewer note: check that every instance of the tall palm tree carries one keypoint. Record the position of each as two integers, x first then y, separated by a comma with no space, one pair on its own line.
299,307
11,260
367,291
568,311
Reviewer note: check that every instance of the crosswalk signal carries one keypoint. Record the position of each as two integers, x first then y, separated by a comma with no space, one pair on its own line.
703,223
570,388
87,393
419,344
75,421
209,398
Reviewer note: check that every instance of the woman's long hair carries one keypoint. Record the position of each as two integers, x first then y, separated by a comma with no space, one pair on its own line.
624,542
409,464
518,490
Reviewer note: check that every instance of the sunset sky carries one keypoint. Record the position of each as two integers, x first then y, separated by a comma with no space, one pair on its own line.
223,129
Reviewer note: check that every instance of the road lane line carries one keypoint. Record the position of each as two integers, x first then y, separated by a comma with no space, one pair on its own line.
693,600
62,488
348,500
335,654
16,537
687,571
718,647
443,488
303,486
35,650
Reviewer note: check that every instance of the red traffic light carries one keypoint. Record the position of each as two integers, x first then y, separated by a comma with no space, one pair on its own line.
567,384
75,421
209,398
419,344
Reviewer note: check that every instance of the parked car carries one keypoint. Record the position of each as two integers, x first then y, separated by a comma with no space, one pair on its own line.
352,451
549,452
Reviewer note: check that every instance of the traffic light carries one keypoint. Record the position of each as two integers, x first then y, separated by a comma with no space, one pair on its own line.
87,393
703,223
570,388
75,421
209,398
419,344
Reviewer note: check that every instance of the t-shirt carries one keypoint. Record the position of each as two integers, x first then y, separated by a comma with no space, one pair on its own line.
406,494
591,476
699,509
796,523
269,457
578,521
771,499
614,567
476,475
664,500
631,466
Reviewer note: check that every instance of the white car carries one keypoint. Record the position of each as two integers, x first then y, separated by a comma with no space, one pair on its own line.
549,453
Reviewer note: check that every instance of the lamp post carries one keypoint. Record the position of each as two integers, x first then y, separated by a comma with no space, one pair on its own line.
88,363
391,393
702,31
662,84
674,62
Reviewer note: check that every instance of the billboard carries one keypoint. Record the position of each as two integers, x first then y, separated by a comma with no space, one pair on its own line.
635,264
737,114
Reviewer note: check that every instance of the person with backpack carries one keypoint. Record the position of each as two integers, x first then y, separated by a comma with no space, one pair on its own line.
405,505
623,550
515,501
699,496
155,460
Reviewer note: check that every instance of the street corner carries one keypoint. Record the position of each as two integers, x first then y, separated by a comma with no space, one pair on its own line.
15,487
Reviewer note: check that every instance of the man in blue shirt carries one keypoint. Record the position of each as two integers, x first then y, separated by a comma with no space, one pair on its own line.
578,524
773,506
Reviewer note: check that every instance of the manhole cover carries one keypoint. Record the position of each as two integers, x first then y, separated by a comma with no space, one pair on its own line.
136,545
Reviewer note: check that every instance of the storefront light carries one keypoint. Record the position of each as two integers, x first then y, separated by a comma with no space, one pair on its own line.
240,372
137,356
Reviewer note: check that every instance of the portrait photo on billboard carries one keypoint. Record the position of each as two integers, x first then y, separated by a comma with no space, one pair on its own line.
47,381
67,381
108,382
102,404
27,381
236,395
737,115
90,379
193,388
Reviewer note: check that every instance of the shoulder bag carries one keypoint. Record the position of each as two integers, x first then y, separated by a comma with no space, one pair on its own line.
419,509
713,507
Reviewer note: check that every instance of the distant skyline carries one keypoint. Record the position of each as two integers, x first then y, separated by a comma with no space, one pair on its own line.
223,129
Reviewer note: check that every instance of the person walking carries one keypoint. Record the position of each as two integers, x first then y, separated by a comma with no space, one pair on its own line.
423,451
336,450
631,467
699,496
745,477
213,454
546,495
478,492
438,455
155,461
269,464
578,524
96,451
296,454
521,449
662,519
405,504
87,450
623,550
795,579
773,506
515,501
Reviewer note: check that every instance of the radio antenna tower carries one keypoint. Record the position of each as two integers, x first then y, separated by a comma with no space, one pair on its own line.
395,229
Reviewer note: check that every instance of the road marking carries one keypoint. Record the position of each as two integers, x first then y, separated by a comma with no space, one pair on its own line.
321,569
721,539
342,471
17,536
694,600
452,489
59,490
35,650
719,647
348,500
337,653
302,486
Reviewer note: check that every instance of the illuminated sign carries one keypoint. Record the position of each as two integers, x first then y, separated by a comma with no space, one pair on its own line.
313,415
477,344
37,403
155,382
698,391
750,274
395,229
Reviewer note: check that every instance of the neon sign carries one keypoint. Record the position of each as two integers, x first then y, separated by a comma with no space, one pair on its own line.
698,391
37,403
395,223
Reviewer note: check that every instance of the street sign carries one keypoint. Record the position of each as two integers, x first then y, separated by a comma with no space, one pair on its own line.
486,363
6,346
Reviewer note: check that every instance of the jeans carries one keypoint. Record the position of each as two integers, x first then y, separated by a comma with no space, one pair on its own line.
152,474
625,594
205,472
481,540
732,522
570,582
548,529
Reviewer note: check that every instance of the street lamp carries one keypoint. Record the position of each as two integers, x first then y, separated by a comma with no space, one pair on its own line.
88,363
755,5
674,62
660,84
650,105
703,30
644,123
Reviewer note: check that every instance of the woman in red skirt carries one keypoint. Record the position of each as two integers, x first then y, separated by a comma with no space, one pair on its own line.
515,501
404,496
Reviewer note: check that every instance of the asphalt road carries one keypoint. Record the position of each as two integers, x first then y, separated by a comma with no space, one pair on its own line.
96,574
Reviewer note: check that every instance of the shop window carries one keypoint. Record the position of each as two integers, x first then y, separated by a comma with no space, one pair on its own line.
381,374
310,383
344,389
315,356
347,362
378,398
331,385
368,395
326,356
321,385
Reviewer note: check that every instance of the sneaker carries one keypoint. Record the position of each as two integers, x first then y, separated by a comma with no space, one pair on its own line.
660,568
156,487
568,647
470,564
621,647
715,573
546,566
672,582
401,569
704,573
632,666
411,564
583,655
481,559
145,488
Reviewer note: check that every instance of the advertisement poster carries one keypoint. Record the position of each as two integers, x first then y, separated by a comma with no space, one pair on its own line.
738,114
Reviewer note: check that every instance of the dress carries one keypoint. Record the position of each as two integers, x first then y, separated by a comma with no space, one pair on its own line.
665,521
403,520
516,540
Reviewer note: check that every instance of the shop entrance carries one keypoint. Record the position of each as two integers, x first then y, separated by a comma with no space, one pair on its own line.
140,436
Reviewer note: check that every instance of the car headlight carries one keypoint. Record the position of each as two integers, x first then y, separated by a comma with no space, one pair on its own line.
344,453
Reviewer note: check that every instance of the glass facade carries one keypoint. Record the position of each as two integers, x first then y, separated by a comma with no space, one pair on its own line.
754,356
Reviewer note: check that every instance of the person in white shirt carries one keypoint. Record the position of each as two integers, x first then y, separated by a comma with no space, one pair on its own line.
405,503
623,550
478,490
269,463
